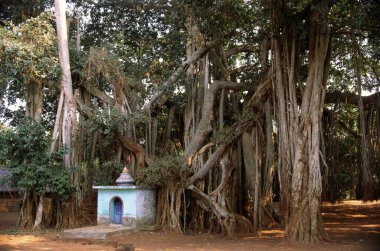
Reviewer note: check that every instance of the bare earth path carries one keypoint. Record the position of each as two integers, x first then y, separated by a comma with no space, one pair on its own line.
351,225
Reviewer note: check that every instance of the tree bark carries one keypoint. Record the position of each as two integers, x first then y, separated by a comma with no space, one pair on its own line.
34,95
257,194
69,105
268,173
57,124
39,214
300,124
367,180
306,185
69,119
28,210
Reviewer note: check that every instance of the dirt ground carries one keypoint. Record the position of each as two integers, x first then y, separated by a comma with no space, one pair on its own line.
351,225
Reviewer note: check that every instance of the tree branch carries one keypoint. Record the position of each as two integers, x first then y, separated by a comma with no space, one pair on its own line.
241,127
217,61
164,88
241,48
244,68
351,98
93,90
204,127
134,147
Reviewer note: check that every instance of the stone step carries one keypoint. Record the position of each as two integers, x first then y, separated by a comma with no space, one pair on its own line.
98,232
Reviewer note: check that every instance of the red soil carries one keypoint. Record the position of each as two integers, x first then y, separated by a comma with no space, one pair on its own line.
351,225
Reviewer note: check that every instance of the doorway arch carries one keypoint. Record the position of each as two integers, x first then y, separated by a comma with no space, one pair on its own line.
116,210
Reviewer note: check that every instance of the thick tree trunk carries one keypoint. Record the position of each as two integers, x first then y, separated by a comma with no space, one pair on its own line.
252,163
28,210
39,214
30,217
249,161
268,173
305,219
69,119
257,194
69,105
300,125
34,101
367,180
284,159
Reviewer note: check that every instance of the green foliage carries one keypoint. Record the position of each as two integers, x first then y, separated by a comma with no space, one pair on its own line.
28,51
28,61
298,5
106,172
357,17
215,21
147,36
162,170
25,152
17,11
107,122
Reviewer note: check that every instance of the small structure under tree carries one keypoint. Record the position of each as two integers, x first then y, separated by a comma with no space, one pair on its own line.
126,204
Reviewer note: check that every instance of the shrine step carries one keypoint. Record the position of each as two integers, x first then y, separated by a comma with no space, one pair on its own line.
98,232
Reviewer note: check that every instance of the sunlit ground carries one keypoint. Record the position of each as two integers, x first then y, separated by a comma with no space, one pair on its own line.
23,239
32,242
352,202
353,221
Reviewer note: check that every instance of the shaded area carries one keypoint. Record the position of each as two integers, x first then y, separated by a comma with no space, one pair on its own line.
353,222
8,220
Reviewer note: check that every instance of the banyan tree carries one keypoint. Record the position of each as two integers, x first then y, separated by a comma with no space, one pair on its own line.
232,110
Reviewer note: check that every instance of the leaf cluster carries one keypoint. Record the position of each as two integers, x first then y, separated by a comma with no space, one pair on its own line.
25,152
146,35
28,59
215,21
106,172
17,11
28,51
107,122
162,170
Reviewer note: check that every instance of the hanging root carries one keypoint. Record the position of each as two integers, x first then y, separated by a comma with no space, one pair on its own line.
229,222
244,224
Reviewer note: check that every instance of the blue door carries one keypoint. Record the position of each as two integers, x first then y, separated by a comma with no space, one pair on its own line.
118,211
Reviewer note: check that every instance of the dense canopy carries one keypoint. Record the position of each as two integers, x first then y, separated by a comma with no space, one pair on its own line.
224,107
